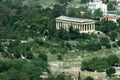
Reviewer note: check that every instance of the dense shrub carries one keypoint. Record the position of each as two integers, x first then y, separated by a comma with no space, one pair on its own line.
110,71
95,64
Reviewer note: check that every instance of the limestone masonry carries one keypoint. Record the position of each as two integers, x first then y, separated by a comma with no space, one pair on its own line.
84,25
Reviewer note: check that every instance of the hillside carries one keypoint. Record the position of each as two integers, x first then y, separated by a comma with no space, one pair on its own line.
30,43
50,3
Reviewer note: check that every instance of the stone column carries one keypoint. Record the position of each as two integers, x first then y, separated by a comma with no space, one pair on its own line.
64,25
87,27
57,25
94,26
79,27
60,25
90,27
83,27
74,26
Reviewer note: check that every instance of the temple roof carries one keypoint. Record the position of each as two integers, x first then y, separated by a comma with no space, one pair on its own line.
72,19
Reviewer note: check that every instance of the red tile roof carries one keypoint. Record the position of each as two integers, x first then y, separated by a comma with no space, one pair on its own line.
109,17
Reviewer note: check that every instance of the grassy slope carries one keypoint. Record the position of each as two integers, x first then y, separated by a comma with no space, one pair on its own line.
75,3
84,55
46,2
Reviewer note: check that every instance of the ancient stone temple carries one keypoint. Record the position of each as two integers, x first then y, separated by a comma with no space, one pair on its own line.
84,25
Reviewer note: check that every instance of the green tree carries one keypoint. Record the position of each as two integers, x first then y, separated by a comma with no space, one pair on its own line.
14,74
98,13
16,64
31,70
63,1
73,12
118,42
43,56
84,1
113,36
40,65
111,6
58,10
106,26
118,20
4,13
3,66
110,71
104,41
91,46
59,57
60,34
87,14
60,76
113,60
1,48
95,64
69,77
29,54
89,78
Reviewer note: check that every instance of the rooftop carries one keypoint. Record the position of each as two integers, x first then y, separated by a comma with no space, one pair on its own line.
110,17
65,18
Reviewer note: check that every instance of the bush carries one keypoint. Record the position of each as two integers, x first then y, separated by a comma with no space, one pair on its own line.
43,56
113,35
108,46
93,46
95,64
5,54
112,60
59,57
89,78
118,43
110,71
29,55
104,41
114,45
3,66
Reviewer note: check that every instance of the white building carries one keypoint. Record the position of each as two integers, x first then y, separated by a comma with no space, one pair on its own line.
84,25
118,6
114,0
97,4
110,17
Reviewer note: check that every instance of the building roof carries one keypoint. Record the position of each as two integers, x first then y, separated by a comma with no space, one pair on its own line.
118,3
110,17
72,19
